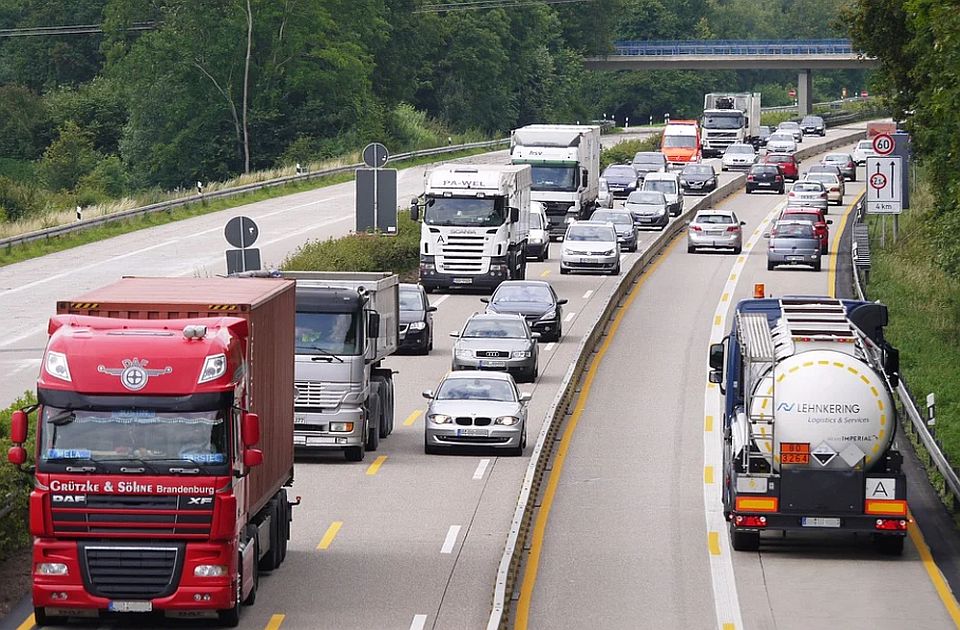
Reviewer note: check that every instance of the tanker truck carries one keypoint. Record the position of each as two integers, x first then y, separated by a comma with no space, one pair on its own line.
809,421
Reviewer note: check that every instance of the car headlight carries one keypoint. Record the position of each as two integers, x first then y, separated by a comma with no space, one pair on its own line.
418,325
340,427
521,354
609,252
548,316
439,418
214,367
51,568
463,353
712,180
508,421
56,365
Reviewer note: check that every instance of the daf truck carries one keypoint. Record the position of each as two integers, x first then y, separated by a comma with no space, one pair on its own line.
566,169
164,446
729,119
809,421
347,323
476,222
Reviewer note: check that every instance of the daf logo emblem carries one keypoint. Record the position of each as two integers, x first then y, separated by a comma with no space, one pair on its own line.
134,374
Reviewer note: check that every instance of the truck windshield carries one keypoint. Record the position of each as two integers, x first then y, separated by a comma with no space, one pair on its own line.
679,142
555,178
723,121
140,434
327,333
465,211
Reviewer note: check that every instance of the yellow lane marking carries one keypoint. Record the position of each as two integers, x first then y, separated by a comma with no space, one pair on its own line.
28,623
733,276
713,543
540,525
939,583
708,424
708,474
729,626
412,418
740,259
375,466
835,247
546,272
275,621
331,533
724,297
717,320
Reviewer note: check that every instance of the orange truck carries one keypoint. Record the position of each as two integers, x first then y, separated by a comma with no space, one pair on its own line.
680,143
876,128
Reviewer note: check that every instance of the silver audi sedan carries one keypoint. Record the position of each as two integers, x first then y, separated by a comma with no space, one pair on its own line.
472,408
491,341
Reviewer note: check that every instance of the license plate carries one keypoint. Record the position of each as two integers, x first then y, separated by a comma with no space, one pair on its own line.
587,260
714,232
763,183
493,364
473,432
794,257
463,280
819,521
130,607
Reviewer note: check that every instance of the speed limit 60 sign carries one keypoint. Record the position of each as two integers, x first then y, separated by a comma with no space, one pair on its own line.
883,144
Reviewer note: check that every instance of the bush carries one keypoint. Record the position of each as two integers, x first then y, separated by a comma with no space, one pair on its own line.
14,485
19,201
362,252
623,153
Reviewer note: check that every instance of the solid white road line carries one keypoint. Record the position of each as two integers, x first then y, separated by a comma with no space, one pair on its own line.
570,316
451,539
481,468
587,295
419,621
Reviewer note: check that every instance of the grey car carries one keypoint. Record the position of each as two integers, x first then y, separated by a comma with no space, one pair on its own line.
645,162
491,341
476,409
813,126
648,208
843,161
622,223
793,243
715,228
793,127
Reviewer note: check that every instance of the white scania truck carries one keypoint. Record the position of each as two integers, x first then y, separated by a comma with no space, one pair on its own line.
809,421
566,169
476,219
729,119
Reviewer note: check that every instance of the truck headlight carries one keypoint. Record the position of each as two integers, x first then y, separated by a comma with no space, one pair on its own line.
56,366
507,420
439,418
214,367
209,570
51,568
418,325
521,354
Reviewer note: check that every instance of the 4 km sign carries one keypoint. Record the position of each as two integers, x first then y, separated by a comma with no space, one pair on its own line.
884,186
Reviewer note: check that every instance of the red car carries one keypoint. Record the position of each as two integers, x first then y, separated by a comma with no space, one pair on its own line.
787,163
815,217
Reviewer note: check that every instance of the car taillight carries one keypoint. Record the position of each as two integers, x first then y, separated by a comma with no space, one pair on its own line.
849,164
778,179
834,189
790,194
695,228
823,195
749,178
733,228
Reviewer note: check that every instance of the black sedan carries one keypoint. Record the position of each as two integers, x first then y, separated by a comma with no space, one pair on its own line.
535,300
622,179
416,319
765,177
698,178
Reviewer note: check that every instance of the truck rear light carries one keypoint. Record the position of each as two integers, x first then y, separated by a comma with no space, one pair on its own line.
51,568
891,524
885,507
757,504
750,521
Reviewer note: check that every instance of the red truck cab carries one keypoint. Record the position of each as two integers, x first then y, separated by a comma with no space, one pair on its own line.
164,445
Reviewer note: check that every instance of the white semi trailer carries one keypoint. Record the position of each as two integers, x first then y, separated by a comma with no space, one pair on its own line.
809,421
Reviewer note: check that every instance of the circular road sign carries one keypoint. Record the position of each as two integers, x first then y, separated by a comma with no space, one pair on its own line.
878,181
241,232
883,144
375,155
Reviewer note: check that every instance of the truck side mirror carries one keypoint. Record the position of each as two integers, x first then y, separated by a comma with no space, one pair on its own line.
514,215
252,457
373,325
414,209
250,430
17,455
716,357
715,376
18,426
585,176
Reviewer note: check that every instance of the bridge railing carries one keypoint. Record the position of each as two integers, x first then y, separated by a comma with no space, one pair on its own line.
663,48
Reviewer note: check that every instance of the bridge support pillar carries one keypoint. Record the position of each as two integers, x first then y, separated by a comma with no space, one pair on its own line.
805,93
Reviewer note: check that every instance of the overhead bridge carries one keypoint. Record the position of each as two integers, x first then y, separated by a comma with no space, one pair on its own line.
802,55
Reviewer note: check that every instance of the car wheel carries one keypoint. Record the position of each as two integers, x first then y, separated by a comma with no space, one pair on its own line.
546,252
563,271
41,618
823,250
691,249
782,190
770,266
737,250
616,270
429,449
749,191
816,266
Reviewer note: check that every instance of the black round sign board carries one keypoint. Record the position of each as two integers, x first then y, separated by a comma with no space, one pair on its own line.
375,155
241,232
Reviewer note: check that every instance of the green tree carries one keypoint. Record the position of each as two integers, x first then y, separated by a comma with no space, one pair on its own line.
70,157
24,123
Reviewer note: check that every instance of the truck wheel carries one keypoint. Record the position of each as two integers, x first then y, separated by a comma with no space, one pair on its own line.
41,618
889,545
373,428
271,560
744,541
383,395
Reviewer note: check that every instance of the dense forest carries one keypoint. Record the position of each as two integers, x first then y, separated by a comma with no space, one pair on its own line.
174,91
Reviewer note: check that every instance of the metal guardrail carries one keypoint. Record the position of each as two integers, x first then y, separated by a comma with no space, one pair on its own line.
937,456
773,47
528,502
67,228
793,108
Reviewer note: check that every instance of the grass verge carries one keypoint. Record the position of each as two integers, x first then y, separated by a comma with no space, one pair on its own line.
14,254
924,305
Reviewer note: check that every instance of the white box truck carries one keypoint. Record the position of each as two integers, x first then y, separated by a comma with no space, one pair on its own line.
476,220
729,119
566,169
347,323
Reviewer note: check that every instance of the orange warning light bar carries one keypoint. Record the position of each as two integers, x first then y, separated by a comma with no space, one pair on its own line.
757,504
759,291
885,506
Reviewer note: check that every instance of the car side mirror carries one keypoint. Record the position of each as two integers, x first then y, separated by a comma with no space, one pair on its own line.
891,365
766,235
526,397
562,301
715,377
431,309
252,457
427,393
455,333
585,176
250,429
743,223
485,300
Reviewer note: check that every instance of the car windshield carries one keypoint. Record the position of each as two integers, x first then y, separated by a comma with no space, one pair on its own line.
779,159
809,217
667,187
865,144
734,148
780,137
763,170
838,158
713,218
620,171
590,233
679,142
647,197
495,328
807,187
464,212
649,159
793,230
617,218
723,121
823,178
764,129
327,333
787,125
697,169
558,178
476,389
812,120
145,434
410,300
522,293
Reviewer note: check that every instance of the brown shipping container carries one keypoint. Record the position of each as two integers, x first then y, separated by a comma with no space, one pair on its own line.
269,305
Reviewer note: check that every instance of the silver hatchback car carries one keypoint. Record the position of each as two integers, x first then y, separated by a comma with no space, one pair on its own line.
492,341
793,243
715,228
476,409
808,194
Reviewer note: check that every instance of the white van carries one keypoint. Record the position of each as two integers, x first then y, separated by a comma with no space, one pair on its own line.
669,185
538,239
